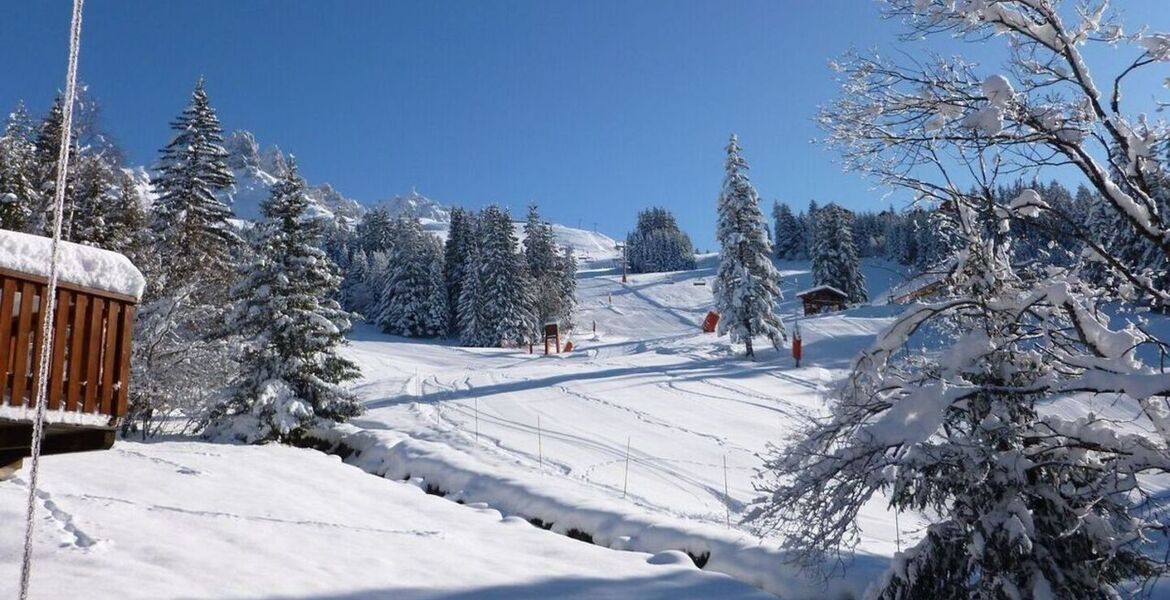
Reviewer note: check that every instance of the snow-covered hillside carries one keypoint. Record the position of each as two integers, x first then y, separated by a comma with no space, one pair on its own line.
546,437
256,170
593,249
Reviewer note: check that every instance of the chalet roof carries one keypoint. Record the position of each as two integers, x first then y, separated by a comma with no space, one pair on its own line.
822,288
84,266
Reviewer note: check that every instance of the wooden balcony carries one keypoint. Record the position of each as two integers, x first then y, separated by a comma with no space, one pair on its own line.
89,368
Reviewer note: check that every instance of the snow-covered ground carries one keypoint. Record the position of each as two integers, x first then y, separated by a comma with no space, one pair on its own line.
530,436
547,437
181,519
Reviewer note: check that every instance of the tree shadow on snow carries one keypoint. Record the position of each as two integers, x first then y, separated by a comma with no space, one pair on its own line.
665,587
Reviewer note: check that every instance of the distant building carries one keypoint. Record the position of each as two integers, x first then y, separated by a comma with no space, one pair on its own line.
922,287
823,298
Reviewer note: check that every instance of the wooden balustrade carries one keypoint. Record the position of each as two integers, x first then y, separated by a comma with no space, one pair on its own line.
89,368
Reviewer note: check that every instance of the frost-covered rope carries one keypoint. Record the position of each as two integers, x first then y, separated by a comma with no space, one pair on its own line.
50,300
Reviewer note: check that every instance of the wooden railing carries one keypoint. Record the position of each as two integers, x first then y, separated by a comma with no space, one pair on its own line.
89,370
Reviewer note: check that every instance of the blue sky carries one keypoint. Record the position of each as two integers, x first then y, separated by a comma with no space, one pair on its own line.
594,109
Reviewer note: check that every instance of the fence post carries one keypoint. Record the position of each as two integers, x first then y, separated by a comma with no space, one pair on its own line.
626,480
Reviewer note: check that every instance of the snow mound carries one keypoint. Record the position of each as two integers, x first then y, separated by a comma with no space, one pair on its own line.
670,557
76,264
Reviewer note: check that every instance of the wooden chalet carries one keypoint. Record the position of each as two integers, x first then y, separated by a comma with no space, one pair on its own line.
823,298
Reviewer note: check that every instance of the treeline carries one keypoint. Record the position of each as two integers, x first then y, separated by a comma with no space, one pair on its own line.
102,205
481,287
657,245
237,331
920,237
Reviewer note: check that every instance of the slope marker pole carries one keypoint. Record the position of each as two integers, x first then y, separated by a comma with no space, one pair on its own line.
726,493
626,480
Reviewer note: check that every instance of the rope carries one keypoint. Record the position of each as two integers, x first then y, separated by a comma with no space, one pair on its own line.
50,301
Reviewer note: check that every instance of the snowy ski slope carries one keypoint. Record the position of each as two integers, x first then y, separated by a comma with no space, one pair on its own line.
546,437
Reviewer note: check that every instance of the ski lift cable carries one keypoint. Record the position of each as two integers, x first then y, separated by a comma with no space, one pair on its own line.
49,306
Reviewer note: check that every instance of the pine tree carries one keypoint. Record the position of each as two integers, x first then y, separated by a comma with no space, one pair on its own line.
460,237
789,240
375,232
19,194
658,245
539,246
47,148
191,227
566,283
95,188
410,300
546,271
1023,502
292,374
438,314
474,327
747,285
355,293
508,301
834,261
181,352
809,223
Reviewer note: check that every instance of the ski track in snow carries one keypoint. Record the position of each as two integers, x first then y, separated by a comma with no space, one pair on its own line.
697,417
254,518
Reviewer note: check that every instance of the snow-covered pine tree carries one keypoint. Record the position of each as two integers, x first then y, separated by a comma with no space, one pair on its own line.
747,285
1029,503
834,259
355,293
191,228
992,434
789,240
540,249
460,236
94,188
544,270
47,147
658,245
375,232
181,358
566,282
408,300
809,224
283,309
508,298
437,317
474,327
19,194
